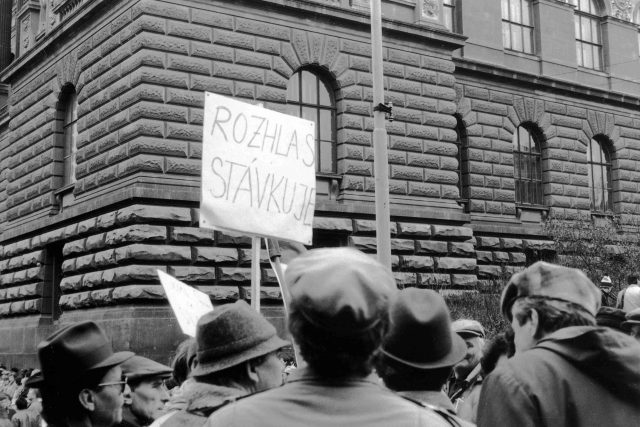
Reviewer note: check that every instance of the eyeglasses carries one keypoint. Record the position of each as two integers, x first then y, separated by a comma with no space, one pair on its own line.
122,384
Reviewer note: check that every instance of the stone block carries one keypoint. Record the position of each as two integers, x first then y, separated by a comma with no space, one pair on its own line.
488,242
499,256
208,254
511,244
517,258
234,275
455,264
365,226
451,232
95,242
136,233
433,280
429,247
405,280
105,258
464,280
201,236
226,239
403,245
541,245
144,213
464,249
414,262
195,274
484,256
130,293
132,274
333,224
155,253
220,293
490,271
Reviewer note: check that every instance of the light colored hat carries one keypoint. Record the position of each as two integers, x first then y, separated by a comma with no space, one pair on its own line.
554,282
465,327
341,290
232,334
606,279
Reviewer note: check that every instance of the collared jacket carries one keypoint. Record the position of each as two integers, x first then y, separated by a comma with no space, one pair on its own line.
201,401
310,401
438,401
580,376
465,395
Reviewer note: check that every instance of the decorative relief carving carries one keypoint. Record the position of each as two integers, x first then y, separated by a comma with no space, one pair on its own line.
622,9
26,34
431,9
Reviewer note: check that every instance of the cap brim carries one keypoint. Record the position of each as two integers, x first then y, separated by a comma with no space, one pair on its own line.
629,323
271,345
114,360
455,355
467,334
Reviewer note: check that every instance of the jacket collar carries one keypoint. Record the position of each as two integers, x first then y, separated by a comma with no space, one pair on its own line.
202,396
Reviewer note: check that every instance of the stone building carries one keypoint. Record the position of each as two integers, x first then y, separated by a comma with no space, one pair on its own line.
505,111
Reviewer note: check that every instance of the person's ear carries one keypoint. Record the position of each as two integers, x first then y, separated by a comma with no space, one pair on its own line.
252,372
87,399
533,323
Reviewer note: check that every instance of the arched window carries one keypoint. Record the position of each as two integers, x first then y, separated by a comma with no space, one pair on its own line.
588,37
463,160
309,96
527,158
517,25
599,163
68,114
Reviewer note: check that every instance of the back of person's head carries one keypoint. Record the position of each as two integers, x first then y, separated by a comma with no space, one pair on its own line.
21,403
552,314
184,360
498,347
338,312
629,298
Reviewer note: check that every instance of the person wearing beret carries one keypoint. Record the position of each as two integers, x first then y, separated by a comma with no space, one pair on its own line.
148,394
420,349
338,315
81,380
466,377
237,355
567,371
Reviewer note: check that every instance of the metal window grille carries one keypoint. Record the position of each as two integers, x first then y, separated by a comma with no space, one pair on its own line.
599,162
527,158
463,160
517,25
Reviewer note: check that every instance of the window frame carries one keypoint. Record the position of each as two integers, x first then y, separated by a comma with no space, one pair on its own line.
593,16
463,159
606,188
449,11
520,25
528,190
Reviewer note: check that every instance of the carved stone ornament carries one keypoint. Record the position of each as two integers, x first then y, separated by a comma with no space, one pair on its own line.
622,9
26,36
430,9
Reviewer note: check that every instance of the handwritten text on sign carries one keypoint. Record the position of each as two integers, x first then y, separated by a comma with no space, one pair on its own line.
188,304
258,171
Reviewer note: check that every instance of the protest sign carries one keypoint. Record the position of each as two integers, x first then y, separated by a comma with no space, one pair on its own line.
258,171
188,304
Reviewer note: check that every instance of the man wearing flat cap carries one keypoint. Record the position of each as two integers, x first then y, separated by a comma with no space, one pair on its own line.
420,349
338,316
81,381
237,355
566,371
467,374
148,394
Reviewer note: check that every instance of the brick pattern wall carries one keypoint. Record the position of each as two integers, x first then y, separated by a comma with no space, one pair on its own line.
491,115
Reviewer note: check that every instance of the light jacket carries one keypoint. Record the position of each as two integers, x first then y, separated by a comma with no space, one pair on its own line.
310,401
580,376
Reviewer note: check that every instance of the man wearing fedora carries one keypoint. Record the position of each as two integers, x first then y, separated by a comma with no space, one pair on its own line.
566,371
236,356
420,349
148,394
466,378
81,381
338,316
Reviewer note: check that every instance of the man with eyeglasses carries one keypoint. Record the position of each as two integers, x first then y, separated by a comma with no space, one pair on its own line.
81,380
149,395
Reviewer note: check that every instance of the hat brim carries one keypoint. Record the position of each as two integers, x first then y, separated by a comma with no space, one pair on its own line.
272,344
455,355
627,324
38,380
465,333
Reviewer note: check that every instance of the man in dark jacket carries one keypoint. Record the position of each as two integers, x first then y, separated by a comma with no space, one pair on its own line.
566,371
236,356
338,316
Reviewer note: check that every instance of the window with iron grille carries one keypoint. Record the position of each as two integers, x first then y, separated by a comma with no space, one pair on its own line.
527,158
310,96
600,183
463,160
448,14
68,115
517,25
587,31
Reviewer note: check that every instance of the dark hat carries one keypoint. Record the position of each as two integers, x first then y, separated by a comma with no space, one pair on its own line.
610,317
633,318
551,281
232,334
420,335
468,327
71,352
138,368
341,290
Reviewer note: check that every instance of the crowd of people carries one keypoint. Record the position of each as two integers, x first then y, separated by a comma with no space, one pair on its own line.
370,355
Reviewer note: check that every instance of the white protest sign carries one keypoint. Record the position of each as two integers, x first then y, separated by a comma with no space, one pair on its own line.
188,304
258,171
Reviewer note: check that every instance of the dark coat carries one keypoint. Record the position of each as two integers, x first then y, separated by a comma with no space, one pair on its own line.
581,376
